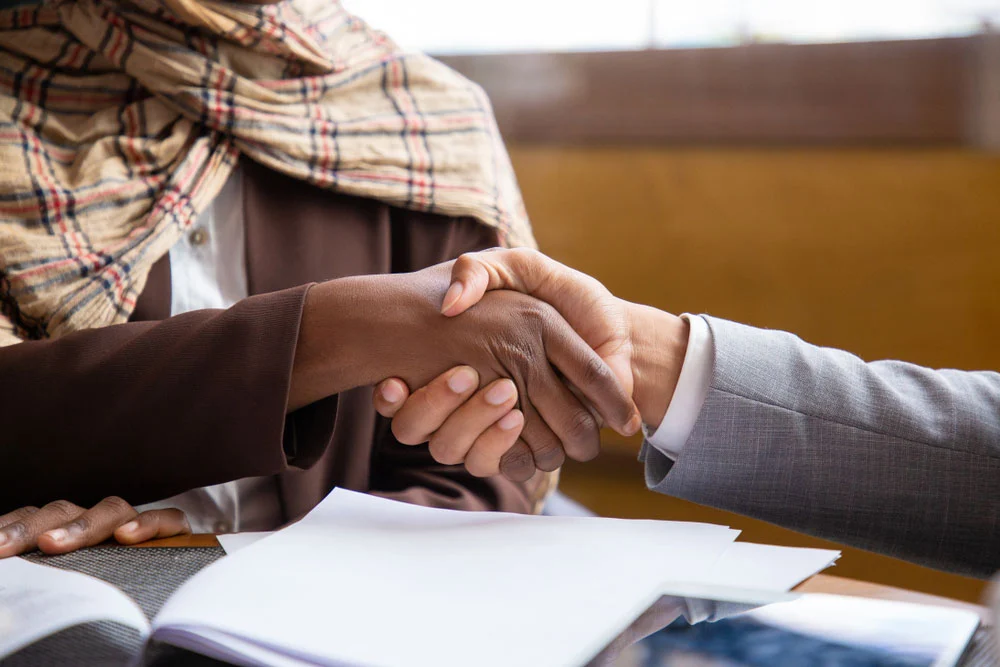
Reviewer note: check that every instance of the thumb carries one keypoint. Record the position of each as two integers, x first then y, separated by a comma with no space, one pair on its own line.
476,273
389,396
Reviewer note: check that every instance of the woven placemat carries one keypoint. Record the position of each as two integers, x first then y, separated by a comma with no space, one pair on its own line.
149,576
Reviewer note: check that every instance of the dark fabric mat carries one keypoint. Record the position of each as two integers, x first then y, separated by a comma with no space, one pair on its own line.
149,576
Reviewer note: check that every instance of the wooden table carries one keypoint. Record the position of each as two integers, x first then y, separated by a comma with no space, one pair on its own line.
821,583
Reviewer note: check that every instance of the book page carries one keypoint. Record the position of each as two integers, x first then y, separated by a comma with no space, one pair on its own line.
37,601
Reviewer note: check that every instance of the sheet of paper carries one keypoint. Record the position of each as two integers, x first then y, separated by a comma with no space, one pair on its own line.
37,601
748,576
368,581
233,542
915,630
765,567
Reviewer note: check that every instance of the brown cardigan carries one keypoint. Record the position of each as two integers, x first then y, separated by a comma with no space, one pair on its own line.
160,405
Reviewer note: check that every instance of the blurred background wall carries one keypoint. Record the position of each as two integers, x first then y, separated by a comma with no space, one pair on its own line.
833,172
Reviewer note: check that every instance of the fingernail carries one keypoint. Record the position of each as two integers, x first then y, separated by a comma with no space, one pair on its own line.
509,421
462,380
451,296
501,392
130,527
57,535
633,425
391,392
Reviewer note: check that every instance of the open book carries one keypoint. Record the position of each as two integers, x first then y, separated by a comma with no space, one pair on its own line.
368,581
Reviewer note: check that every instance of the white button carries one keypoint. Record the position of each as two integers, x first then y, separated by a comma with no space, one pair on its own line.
198,237
221,527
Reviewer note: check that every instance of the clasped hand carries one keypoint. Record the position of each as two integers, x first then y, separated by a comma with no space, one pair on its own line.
482,428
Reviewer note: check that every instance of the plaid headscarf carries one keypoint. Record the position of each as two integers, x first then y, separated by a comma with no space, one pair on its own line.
121,121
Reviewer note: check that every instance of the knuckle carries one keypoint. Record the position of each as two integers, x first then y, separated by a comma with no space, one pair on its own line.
81,524
477,469
443,452
17,531
519,355
118,506
152,519
178,517
581,426
437,398
596,372
63,508
464,263
404,432
518,459
525,254
549,456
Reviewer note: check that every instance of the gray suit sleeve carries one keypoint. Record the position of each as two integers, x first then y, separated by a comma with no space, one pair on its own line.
886,456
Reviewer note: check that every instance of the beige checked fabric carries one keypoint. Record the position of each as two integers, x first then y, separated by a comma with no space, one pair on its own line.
120,121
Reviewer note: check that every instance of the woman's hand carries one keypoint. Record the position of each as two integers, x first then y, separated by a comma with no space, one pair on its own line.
589,307
61,526
459,423
375,327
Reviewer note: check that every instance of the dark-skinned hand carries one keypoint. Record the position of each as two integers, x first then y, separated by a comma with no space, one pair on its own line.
61,526
396,329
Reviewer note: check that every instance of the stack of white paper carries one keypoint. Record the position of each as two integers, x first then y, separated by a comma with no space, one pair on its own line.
368,581
395,584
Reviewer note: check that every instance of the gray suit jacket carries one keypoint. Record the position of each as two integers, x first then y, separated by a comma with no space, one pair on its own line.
885,456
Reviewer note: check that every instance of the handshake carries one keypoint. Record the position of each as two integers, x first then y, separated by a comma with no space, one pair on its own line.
554,398
536,357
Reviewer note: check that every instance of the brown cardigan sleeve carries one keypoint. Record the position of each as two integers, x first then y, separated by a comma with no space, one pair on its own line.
145,410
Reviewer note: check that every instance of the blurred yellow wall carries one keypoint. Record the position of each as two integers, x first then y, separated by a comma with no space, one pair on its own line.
888,253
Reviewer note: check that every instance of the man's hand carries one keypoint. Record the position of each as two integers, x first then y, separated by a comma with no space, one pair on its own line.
643,346
61,526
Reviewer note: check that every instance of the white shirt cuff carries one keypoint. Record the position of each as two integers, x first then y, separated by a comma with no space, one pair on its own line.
689,395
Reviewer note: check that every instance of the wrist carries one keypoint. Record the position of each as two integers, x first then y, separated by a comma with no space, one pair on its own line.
659,344
339,340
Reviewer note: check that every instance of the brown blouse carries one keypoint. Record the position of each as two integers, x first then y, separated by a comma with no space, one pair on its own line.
160,405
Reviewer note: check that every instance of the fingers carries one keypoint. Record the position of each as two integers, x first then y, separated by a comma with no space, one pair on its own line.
518,463
152,525
389,396
592,376
479,429
452,441
577,430
16,515
545,449
61,526
21,529
474,274
90,527
429,407
599,318
483,459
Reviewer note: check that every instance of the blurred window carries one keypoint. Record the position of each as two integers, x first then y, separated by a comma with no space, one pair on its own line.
478,26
